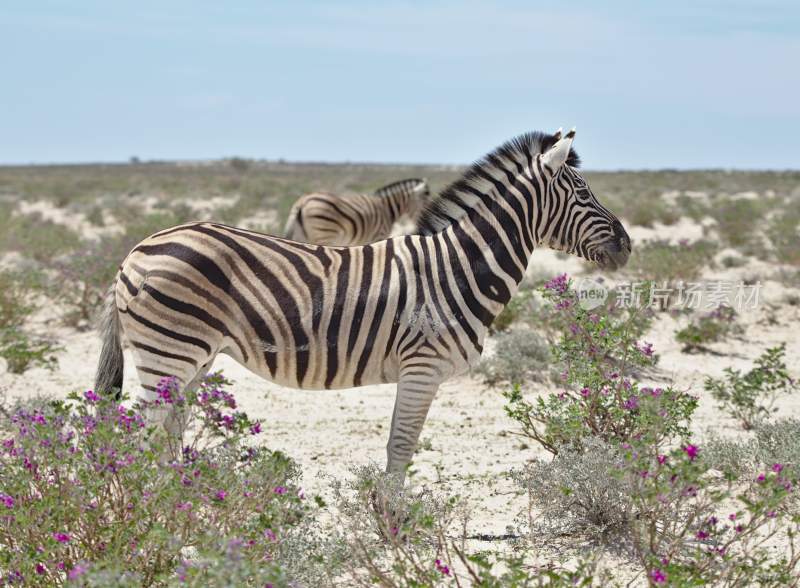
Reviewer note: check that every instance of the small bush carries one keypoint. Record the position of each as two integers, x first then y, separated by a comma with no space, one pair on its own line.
661,261
22,351
520,356
521,307
737,219
579,492
751,397
83,278
710,327
34,237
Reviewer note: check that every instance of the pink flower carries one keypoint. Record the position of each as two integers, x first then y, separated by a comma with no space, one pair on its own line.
632,403
442,568
761,478
91,396
7,500
269,534
184,506
220,495
662,459
61,537
701,535
777,468
691,451
77,571
255,429
279,490
585,392
40,569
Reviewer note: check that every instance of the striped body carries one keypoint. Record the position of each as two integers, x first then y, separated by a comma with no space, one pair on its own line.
327,219
412,310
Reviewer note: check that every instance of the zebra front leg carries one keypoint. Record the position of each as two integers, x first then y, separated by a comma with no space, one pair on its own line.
414,398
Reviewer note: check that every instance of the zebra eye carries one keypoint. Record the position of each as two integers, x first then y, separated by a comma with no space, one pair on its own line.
583,194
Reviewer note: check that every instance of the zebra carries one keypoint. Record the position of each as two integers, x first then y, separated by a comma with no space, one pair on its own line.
327,219
411,310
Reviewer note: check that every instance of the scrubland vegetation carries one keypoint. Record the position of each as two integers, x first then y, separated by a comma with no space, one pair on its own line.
619,475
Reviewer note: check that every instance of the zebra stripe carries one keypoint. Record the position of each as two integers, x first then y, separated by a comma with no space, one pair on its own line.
413,309
359,219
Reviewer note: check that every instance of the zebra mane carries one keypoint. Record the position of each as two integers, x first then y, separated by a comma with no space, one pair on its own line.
459,197
389,189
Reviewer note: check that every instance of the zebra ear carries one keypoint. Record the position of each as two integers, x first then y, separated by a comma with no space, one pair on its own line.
557,155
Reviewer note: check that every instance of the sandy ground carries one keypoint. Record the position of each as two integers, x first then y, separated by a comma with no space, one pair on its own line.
469,445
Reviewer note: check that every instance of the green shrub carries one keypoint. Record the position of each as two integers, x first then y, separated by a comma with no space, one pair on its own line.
751,397
783,232
83,278
710,327
521,355
34,237
662,262
737,219
22,351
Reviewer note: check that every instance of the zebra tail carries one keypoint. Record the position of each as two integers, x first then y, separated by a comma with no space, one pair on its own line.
294,225
110,368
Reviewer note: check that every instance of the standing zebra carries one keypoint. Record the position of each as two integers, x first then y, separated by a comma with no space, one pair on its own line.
412,310
360,219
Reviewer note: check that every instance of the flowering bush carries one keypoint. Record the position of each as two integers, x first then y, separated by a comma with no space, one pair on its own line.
625,462
87,492
598,354
751,397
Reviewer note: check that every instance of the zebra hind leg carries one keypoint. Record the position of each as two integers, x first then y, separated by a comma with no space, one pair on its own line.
159,395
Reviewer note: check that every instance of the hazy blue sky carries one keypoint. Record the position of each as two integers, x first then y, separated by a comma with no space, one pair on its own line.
648,84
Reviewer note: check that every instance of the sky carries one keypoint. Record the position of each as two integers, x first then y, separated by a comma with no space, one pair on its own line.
648,85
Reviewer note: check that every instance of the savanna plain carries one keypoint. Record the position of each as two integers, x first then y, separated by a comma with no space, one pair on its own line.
628,442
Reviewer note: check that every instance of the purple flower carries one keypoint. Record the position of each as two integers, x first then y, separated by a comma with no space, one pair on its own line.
701,535
658,576
91,396
632,403
184,506
691,451
585,392
269,534
761,478
662,459
7,500
442,568
594,318
61,537
255,429
279,490
559,284
40,569
646,349
777,468
220,495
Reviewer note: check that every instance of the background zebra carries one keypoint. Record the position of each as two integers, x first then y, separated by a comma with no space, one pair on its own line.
412,310
359,219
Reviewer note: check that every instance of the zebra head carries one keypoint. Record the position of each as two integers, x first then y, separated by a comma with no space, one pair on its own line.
574,221
419,197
